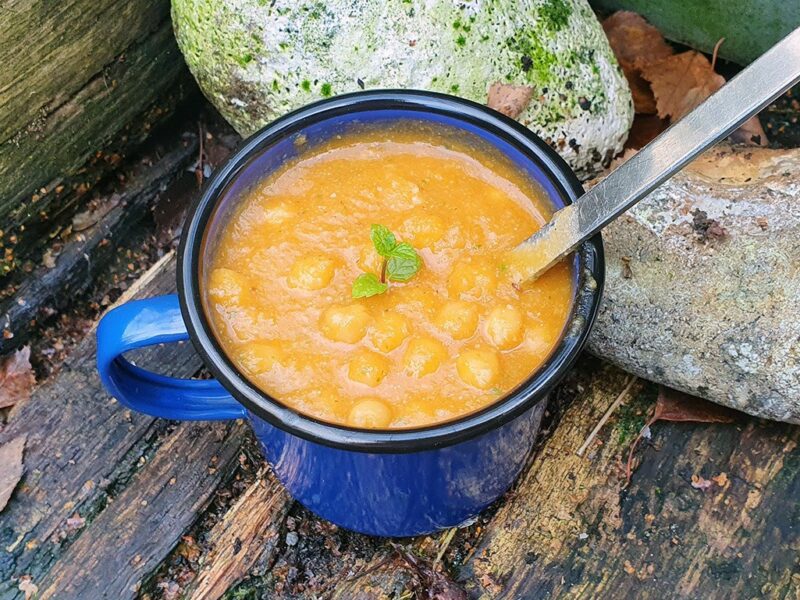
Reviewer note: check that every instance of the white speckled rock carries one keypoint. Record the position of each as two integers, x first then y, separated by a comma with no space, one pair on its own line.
717,318
258,59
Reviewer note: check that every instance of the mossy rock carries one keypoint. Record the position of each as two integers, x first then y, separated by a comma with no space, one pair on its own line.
258,59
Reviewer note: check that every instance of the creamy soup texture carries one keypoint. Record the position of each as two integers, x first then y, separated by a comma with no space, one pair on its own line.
451,340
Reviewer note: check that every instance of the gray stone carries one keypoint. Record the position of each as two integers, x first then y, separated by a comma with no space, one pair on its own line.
256,60
712,307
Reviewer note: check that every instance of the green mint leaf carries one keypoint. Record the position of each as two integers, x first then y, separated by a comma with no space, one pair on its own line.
383,240
368,284
403,264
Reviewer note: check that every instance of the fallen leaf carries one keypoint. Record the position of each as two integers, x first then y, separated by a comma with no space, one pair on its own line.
644,130
170,590
750,133
676,406
707,229
75,522
11,468
16,378
621,159
681,82
27,586
700,483
49,259
673,405
721,480
84,220
509,99
636,43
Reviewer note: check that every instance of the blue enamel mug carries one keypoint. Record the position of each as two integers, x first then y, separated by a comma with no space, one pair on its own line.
389,483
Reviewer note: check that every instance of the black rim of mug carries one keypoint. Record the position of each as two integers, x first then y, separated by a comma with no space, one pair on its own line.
526,395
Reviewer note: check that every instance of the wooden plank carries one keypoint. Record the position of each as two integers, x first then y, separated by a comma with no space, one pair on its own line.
132,535
83,450
246,535
570,530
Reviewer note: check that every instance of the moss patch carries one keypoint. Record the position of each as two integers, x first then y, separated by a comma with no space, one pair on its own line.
555,14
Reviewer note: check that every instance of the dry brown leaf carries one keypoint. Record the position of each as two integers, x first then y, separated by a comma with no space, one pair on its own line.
673,405
701,483
676,406
509,99
11,468
621,159
721,480
636,43
681,82
75,522
644,130
27,586
16,378
750,133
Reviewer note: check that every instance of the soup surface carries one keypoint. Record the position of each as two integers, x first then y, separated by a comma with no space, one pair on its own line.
452,339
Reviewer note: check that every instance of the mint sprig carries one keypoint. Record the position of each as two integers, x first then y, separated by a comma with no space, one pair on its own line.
368,284
400,263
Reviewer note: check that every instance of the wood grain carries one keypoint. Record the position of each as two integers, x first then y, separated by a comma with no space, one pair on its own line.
247,534
570,530
76,76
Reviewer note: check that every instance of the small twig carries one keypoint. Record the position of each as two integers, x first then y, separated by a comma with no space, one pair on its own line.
446,539
607,415
198,172
383,271
714,53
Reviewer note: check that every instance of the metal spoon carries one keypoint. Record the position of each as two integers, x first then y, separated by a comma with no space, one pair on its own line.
745,95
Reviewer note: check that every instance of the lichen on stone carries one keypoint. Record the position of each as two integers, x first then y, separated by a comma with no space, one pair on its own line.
257,60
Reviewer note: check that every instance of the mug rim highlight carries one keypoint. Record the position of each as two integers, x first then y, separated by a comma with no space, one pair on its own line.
526,395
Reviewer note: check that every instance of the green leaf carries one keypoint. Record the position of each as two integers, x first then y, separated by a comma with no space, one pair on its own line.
404,263
368,284
383,239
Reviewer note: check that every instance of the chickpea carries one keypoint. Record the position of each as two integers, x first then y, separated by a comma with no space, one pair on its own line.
389,331
369,414
457,318
260,357
227,287
346,323
422,230
505,327
472,278
368,368
423,356
479,367
369,260
311,272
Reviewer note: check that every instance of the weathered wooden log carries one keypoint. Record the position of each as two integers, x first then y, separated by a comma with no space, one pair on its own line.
88,252
248,533
571,530
703,283
74,76
121,472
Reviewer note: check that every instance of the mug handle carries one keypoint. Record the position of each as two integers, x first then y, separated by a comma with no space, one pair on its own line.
144,323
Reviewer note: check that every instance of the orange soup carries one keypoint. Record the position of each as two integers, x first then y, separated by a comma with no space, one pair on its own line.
430,346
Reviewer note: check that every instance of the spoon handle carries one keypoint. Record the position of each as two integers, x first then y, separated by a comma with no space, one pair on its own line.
745,95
